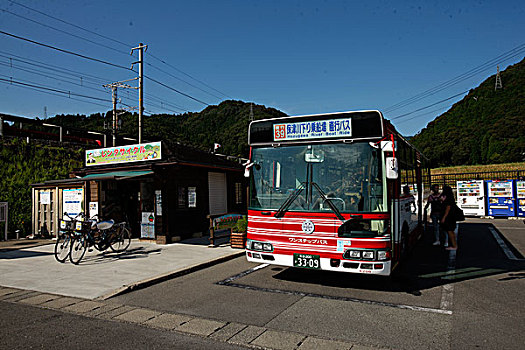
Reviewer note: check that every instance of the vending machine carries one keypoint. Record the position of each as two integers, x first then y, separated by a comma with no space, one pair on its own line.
520,198
471,197
500,198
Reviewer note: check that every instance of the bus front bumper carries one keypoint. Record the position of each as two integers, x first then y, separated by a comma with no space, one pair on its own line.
382,268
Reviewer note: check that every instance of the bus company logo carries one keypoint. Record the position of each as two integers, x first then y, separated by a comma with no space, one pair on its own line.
308,227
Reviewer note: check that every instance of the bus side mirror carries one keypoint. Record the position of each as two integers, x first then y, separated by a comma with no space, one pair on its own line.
392,171
247,167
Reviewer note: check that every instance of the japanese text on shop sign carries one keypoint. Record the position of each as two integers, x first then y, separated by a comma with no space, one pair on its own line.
124,154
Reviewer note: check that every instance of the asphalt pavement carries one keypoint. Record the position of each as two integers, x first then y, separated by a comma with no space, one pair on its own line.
471,298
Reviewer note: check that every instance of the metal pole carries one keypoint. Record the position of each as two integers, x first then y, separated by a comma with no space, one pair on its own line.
141,89
1,127
6,219
114,127
60,131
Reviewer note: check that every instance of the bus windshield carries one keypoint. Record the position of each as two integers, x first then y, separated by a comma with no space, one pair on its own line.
306,177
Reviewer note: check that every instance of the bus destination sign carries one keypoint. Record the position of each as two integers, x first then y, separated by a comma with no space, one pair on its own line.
313,129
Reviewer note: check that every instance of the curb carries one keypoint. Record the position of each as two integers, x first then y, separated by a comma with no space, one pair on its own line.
169,275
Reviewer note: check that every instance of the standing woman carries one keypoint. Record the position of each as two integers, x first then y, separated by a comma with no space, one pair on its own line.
448,221
434,201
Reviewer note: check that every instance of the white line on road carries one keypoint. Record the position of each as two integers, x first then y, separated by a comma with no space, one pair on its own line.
447,293
502,244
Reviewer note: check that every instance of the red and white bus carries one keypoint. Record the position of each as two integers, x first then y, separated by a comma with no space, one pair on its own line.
340,192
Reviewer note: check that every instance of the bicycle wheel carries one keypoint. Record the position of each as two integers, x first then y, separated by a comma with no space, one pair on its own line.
121,240
78,249
62,247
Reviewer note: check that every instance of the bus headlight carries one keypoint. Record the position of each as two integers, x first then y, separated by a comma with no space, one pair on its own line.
354,253
257,246
267,247
368,255
382,255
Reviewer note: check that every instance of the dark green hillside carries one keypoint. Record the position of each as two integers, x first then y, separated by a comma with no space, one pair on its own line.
226,124
22,164
486,127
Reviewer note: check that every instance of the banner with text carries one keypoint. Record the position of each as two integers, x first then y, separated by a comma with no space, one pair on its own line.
313,129
124,154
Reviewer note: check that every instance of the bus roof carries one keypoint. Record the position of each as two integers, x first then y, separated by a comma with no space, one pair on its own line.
351,125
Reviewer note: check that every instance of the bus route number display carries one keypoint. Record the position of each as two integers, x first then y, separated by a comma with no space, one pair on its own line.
313,129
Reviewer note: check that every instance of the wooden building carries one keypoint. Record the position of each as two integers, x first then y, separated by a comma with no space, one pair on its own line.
164,190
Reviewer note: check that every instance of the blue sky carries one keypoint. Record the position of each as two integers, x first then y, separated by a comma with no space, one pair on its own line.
301,57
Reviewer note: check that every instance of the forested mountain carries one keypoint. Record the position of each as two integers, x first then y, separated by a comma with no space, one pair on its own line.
225,124
485,127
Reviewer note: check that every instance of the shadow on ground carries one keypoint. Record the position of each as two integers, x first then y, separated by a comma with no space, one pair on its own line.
426,267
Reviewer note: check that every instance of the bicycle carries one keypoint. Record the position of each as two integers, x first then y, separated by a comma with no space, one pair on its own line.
100,235
64,238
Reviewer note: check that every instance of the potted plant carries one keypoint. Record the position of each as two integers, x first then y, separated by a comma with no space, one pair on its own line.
238,236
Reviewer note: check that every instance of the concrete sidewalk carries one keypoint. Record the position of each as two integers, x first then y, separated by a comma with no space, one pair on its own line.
101,275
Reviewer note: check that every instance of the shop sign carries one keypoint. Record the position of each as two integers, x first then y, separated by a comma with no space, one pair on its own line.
123,154
192,197
313,129
147,225
72,202
93,209
226,221
158,202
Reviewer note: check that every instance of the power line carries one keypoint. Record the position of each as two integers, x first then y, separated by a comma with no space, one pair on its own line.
470,73
64,32
69,93
77,74
424,114
8,82
65,51
46,65
177,91
433,104
104,62
189,76
184,81
124,44
71,24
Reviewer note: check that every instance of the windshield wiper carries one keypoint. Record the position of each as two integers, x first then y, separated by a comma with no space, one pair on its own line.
293,196
329,201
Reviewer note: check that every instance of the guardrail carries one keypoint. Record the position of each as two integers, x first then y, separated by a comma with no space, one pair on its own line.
450,179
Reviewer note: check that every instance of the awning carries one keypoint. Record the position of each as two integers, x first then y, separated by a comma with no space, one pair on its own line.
117,175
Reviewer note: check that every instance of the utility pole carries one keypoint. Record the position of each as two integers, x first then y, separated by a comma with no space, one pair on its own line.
114,123
141,48
114,86
499,85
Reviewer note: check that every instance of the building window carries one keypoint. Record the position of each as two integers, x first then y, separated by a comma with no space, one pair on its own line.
181,201
238,193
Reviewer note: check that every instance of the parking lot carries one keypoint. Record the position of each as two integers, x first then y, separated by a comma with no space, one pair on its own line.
468,299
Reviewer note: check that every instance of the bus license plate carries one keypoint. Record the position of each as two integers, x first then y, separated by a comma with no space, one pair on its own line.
307,261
